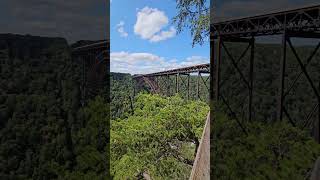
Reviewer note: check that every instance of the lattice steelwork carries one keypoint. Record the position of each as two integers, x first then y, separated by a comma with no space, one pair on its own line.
303,20
159,82
94,59
204,68
297,23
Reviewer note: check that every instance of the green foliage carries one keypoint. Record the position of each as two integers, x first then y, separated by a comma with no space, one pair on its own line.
121,94
153,140
92,150
44,132
194,15
270,151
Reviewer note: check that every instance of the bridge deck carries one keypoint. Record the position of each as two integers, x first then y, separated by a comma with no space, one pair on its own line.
103,45
203,68
306,19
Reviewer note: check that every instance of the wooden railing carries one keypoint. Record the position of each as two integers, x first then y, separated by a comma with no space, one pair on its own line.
201,165
315,174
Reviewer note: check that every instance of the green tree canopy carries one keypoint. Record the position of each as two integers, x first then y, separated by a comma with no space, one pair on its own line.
270,151
194,15
159,139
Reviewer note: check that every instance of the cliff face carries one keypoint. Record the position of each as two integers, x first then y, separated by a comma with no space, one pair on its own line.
26,47
83,43
26,60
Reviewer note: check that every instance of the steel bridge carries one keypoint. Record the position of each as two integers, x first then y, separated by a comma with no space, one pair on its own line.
94,58
300,23
161,82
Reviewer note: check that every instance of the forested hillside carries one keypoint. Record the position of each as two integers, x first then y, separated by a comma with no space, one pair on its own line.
160,139
44,133
121,95
270,149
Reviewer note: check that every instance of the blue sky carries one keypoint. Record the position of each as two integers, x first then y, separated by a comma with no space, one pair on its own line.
144,39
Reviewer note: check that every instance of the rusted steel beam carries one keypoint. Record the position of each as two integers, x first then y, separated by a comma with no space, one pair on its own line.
301,23
318,127
83,83
185,85
152,82
204,72
212,74
235,39
217,71
185,70
177,82
134,84
93,58
162,85
289,117
282,74
198,85
301,72
98,46
230,70
304,19
233,114
309,115
168,85
205,81
305,72
235,65
188,82
252,41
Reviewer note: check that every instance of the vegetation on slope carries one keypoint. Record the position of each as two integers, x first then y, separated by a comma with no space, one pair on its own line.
270,151
121,95
158,139
44,132
122,91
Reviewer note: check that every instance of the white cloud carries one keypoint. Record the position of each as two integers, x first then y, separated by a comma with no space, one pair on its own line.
163,35
143,63
134,58
120,29
150,23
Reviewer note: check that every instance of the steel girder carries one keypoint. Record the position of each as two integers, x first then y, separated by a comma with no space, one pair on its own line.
163,77
234,67
305,20
297,23
94,59
190,69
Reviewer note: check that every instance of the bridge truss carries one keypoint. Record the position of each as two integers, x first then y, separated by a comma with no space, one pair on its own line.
303,23
176,81
94,58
